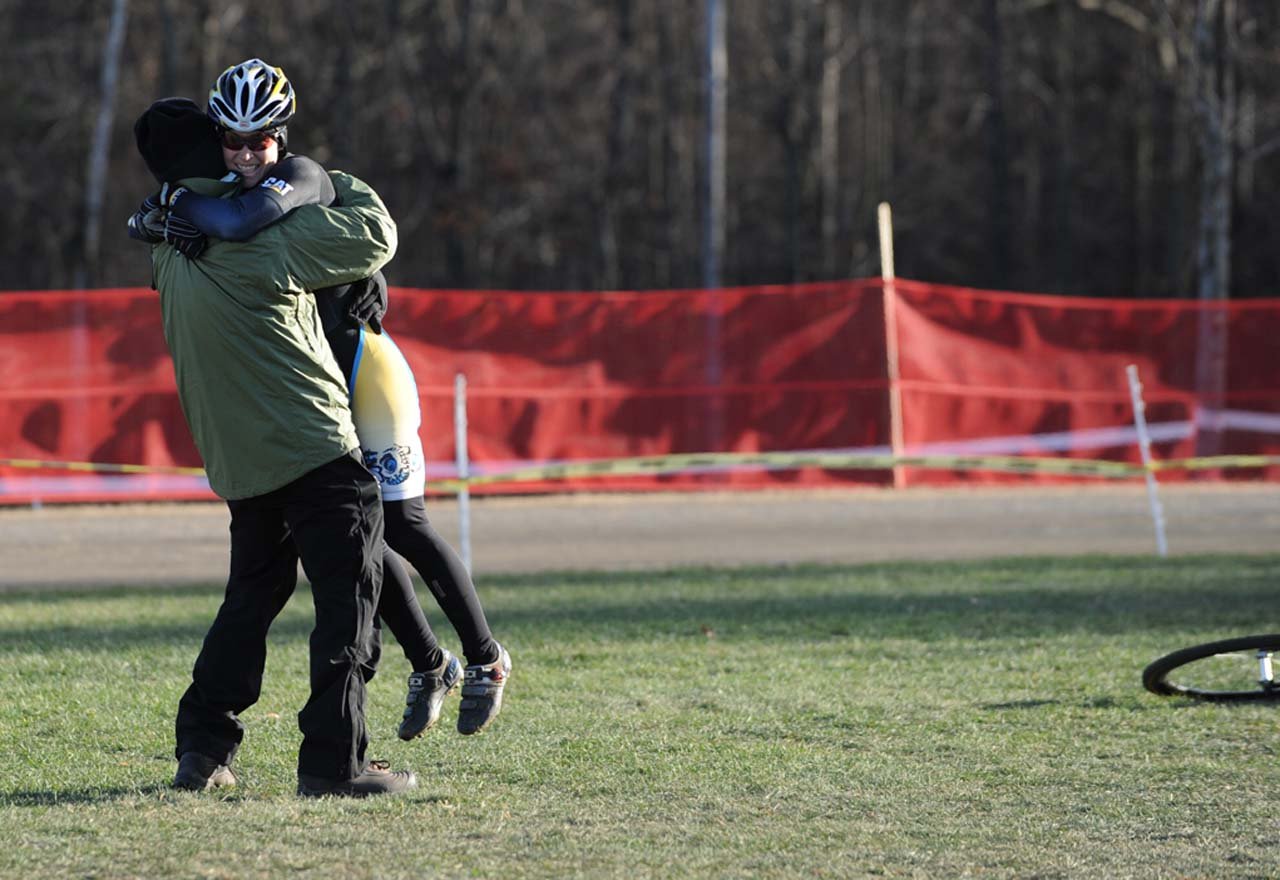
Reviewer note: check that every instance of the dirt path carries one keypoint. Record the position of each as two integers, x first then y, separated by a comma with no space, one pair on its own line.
184,543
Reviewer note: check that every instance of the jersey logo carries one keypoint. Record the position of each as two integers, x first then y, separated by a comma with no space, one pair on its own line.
280,186
392,466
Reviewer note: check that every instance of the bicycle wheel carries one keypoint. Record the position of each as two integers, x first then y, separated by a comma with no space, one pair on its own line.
1225,671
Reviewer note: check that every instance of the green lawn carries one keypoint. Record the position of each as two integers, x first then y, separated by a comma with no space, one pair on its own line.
908,720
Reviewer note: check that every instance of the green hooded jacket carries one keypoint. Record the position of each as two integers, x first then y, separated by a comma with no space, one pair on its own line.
260,389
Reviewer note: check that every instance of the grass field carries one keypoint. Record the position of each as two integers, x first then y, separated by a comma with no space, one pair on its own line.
906,720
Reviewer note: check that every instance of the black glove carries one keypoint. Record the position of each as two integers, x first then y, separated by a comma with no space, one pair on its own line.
147,223
184,236
369,301
170,193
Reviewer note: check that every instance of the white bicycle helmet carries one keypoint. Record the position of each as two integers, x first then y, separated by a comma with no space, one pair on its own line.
252,96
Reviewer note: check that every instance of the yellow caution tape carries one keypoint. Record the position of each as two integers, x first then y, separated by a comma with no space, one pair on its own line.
95,468
1217,461
673,464
668,464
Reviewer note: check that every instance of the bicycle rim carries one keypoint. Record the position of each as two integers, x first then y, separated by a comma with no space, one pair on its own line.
1230,670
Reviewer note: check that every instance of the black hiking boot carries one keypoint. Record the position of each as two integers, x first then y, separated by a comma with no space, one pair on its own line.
376,778
197,772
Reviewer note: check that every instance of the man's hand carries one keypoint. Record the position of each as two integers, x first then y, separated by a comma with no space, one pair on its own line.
185,237
153,224
147,223
369,301
170,193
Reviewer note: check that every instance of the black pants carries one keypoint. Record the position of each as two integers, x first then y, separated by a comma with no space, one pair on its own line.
410,534
331,519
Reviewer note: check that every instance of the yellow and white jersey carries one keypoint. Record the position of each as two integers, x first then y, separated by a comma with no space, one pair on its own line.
384,403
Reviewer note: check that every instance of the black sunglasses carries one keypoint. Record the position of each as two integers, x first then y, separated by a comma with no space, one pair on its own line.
258,140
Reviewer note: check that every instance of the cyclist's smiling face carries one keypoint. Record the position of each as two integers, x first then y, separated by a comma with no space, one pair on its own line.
251,164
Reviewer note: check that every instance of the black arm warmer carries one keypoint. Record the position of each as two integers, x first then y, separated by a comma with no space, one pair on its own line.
292,182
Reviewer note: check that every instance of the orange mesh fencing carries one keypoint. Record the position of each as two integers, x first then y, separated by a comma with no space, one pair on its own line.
562,377
977,365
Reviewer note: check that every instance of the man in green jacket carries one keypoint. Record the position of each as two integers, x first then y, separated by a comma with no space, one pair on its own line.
267,407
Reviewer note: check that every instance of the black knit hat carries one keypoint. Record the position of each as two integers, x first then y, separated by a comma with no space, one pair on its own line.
176,140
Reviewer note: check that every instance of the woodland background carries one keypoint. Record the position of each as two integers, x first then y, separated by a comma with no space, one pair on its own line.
1095,147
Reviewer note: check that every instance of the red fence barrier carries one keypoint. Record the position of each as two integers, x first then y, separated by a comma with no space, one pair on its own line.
553,377
1050,370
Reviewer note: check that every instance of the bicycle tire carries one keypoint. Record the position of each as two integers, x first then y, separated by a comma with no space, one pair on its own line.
1155,677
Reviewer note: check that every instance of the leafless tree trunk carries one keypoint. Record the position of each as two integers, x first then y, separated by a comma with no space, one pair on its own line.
1180,267
96,170
873,116
997,151
668,158
1248,107
1064,154
1213,72
616,141
792,119
1143,205
680,123
1214,78
716,85
829,139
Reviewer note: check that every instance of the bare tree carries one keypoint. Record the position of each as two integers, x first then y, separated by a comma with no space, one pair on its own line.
829,139
96,166
1084,146
998,153
1213,73
617,138
717,71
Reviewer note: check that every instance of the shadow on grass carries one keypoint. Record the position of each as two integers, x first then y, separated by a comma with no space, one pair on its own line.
920,601
1019,704
78,797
